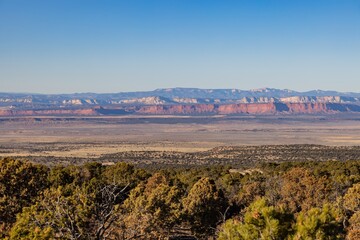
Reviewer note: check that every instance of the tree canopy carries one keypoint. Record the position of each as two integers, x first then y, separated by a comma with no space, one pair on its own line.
275,201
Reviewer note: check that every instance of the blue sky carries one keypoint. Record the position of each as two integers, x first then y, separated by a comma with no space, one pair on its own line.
64,46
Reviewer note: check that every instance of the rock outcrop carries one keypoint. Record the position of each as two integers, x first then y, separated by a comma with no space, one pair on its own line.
175,96
241,108
195,109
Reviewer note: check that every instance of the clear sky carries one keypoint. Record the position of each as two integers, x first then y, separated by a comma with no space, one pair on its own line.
65,46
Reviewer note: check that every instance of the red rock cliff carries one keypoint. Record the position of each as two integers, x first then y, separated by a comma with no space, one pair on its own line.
196,109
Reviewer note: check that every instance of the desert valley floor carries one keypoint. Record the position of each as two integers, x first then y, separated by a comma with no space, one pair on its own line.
99,137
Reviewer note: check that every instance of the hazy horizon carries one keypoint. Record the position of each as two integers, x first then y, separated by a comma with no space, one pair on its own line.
114,92
53,47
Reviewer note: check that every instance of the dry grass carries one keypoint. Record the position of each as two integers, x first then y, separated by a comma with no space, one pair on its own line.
94,137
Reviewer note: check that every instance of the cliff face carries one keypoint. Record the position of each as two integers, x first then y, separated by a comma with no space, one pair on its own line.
250,108
308,108
178,109
196,109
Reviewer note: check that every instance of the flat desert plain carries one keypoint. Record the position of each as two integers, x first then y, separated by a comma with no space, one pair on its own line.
93,137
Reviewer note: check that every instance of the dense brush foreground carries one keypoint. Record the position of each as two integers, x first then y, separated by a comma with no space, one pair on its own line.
304,200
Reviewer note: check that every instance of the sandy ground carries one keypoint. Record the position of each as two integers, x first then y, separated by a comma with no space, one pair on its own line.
93,137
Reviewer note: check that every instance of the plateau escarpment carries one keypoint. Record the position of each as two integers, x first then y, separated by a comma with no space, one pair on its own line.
182,101
249,108
195,109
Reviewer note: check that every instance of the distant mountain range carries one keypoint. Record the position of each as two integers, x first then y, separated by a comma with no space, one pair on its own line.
181,101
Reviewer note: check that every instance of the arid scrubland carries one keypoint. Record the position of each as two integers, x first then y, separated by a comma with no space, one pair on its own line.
77,137
294,177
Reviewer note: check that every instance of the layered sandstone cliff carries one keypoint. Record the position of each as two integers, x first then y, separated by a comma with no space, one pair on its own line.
241,108
195,109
